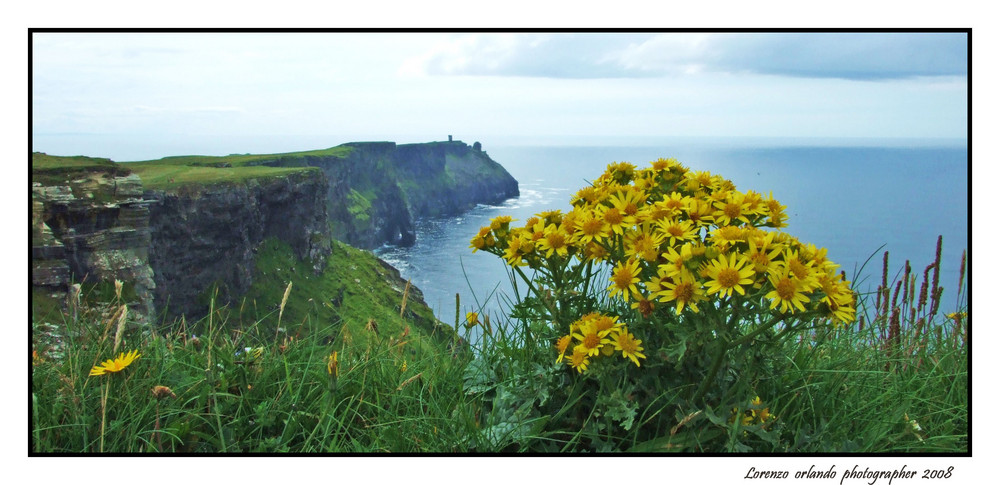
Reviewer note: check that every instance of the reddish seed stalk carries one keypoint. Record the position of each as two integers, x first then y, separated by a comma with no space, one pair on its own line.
906,283
936,290
885,283
922,300
961,280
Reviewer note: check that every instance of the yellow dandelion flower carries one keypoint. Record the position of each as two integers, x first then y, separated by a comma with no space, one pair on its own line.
117,365
698,181
671,206
551,216
664,164
728,275
516,249
500,223
754,202
803,270
676,261
478,242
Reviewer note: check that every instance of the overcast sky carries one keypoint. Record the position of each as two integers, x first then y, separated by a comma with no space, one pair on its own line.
423,86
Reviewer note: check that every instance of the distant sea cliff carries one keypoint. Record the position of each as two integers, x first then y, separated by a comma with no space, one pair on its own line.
175,227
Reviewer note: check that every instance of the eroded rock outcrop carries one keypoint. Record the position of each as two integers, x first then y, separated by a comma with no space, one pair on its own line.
89,224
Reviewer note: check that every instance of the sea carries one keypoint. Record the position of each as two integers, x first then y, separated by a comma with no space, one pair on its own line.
856,197
857,200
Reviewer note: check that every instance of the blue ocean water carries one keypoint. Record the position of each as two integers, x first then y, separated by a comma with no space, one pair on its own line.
852,200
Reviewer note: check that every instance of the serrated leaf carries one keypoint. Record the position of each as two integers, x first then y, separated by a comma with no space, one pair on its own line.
478,377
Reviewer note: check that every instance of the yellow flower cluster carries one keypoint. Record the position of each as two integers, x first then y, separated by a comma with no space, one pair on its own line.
755,414
678,238
594,335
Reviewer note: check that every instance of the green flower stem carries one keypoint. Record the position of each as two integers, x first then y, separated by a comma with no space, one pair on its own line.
712,372
774,321
538,295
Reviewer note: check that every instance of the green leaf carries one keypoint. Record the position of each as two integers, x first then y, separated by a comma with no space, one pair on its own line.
620,409
478,377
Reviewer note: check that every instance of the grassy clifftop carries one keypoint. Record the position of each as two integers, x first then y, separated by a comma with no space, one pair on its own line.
54,170
174,172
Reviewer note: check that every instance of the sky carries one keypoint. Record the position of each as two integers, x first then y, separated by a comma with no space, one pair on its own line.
177,90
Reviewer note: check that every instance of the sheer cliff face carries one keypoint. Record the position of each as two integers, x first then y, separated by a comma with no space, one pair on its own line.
205,238
91,226
447,178
365,204
380,188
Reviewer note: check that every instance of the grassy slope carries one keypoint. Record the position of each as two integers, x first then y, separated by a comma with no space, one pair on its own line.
352,289
394,392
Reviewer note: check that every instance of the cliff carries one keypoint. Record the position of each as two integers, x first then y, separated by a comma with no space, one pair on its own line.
447,178
378,189
90,225
183,230
204,238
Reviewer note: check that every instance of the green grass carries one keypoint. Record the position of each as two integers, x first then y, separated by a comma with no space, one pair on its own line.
172,173
45,162
239,160
55,170
399,387
171,177
849,390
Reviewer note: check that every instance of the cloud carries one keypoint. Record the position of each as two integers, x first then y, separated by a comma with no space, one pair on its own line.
528,55
856,56
186,110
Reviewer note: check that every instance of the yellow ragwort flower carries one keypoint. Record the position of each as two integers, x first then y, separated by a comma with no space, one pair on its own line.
629,346
787,292
561,345
728,275
332,365
580,358
122,361
471,319
624,279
